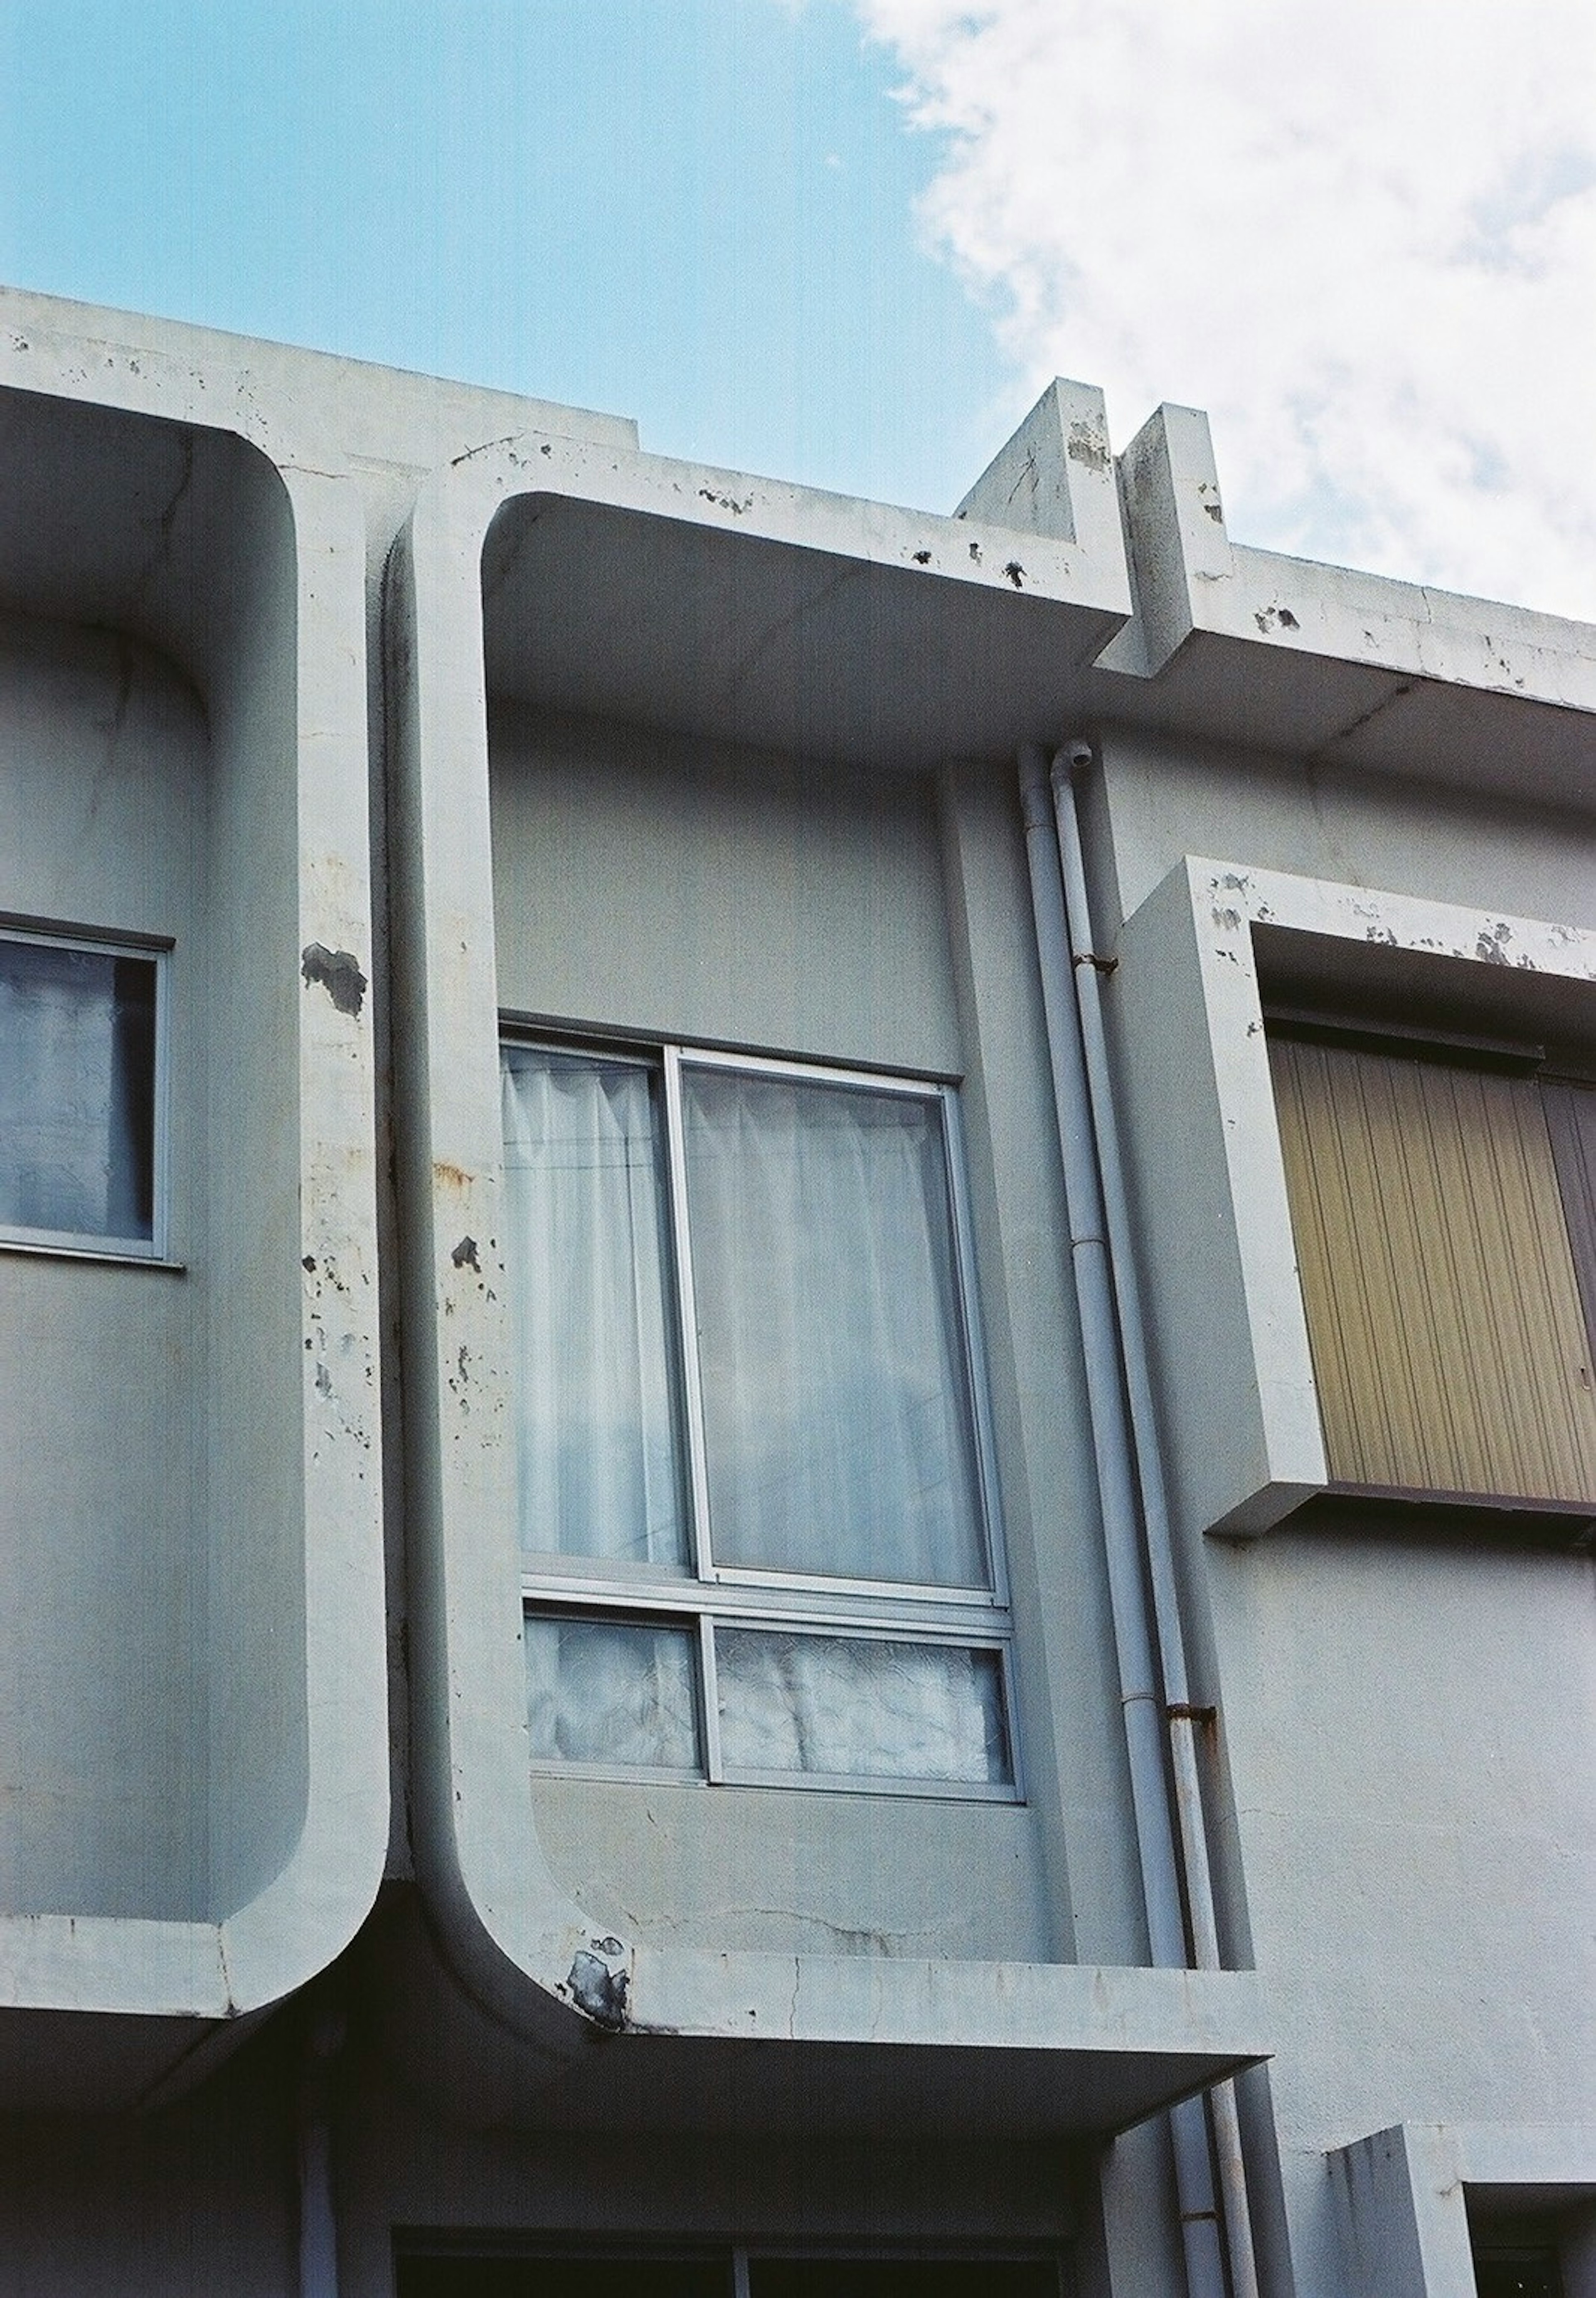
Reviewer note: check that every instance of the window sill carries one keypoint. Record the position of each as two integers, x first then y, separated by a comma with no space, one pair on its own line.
106,1256
853,1783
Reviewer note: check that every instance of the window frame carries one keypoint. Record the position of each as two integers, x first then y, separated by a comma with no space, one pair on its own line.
737,2260
1197,959
73,1244
1338,1025
703,1593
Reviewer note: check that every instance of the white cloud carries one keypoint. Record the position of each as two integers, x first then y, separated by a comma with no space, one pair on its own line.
1363,237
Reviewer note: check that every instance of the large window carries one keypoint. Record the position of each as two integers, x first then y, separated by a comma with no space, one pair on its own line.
426,2271
757,1502
1445,1227
80,1105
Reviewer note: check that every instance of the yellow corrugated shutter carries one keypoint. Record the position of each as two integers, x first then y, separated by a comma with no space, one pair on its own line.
1449,1343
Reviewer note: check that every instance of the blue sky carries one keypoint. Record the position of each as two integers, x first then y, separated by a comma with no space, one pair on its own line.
848,241
699,213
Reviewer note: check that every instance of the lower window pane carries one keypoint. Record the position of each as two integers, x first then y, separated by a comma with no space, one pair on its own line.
77,1092
853,1706
901,2277
604,1691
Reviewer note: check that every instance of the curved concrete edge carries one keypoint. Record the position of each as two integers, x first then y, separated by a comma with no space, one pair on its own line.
508,1932
310,1911
167,1979
503,1919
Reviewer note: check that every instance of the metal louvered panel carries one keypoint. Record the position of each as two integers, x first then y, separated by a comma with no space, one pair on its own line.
1450,1347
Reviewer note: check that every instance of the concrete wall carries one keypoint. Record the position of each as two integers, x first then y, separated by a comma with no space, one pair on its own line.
1408,1721
663,888
1164,798
160,1745
105,764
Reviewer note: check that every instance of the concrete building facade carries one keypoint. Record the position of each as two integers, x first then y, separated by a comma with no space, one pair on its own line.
799,1310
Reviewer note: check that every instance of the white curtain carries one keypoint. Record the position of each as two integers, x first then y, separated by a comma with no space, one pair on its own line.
600,1472
836,1394
604,1691
860,1708
77,1082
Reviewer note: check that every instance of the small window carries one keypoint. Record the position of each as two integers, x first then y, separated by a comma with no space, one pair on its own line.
755,1470
1442,1214
1517,2270
79,1122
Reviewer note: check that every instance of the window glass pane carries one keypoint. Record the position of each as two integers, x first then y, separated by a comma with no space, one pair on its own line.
837,1411
902,2278
562,2277
1511,2271
594,1387
604,1692
77,1092
860,1708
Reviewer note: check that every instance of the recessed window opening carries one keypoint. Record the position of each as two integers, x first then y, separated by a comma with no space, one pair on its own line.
1442,1192
755,1491
426,2271
81,1075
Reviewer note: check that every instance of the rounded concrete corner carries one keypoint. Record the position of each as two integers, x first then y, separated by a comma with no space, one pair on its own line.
155,548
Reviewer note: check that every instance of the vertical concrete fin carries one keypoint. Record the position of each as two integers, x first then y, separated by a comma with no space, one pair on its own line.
1175,529
1400,2200
1055,477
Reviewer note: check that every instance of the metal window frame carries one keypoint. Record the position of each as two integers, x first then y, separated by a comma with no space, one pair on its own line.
711,1594
74,1244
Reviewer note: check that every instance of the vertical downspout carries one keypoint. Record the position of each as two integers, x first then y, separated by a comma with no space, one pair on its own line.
317,2220
1139,1689
1184,1719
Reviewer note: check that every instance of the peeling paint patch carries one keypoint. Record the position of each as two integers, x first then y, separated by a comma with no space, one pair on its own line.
1086,445
598,1989
338,973
975,552
1016,573
727,502
922,558
464,1255
1491,948
1268,617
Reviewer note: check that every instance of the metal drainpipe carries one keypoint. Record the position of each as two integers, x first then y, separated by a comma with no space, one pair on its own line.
1139,1692
1183,1720
317,2220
